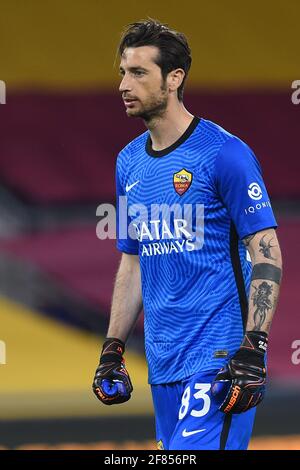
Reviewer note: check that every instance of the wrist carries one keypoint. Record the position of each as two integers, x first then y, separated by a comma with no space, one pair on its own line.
253,349
112,350
255,342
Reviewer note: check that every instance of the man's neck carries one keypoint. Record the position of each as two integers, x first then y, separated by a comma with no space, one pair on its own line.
167,129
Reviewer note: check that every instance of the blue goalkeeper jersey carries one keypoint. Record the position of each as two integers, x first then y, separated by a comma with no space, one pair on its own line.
185,210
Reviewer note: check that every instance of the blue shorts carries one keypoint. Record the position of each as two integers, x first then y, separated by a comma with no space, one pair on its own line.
187,417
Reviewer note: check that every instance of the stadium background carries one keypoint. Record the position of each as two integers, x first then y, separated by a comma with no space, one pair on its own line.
61,129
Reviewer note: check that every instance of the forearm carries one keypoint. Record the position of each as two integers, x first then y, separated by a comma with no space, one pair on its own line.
246,370
263,298
127,298
265,283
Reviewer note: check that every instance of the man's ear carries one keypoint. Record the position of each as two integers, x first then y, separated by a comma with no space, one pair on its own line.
175,79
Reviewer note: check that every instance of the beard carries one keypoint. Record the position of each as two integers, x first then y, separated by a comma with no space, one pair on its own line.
152,108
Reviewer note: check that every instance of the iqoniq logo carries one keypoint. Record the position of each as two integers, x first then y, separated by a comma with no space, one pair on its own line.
254,191
2,92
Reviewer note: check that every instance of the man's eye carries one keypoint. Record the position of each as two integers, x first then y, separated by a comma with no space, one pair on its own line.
138,73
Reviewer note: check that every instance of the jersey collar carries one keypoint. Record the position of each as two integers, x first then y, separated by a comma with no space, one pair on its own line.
181,140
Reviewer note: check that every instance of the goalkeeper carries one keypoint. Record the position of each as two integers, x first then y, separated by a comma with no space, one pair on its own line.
209,279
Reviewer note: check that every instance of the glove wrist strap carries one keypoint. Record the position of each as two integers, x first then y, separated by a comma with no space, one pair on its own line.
112,350
255,341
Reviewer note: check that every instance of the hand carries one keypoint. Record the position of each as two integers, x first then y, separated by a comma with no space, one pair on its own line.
240,385
112,384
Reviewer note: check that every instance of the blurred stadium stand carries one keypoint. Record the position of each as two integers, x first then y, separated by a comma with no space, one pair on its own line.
66,147
61,130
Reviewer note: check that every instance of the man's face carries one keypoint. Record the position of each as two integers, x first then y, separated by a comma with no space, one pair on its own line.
144,92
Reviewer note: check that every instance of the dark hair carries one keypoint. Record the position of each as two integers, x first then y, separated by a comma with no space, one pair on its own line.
174,51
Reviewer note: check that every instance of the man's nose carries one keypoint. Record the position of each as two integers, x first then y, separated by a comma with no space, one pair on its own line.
125,84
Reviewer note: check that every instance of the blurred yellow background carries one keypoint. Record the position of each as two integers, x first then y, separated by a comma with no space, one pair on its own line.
72,43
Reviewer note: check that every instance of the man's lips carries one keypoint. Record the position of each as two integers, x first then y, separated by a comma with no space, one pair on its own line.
129,101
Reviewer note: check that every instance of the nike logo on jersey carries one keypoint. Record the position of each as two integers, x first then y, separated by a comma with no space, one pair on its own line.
130,186
186,433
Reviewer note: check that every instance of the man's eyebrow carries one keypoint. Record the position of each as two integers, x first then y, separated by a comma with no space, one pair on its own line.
133,69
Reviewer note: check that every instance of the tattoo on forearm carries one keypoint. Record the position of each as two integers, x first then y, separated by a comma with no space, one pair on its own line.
265,247
247,240
265,284
266,271
262,302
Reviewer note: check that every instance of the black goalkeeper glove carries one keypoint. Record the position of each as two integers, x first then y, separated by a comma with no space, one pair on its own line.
112,384
240,385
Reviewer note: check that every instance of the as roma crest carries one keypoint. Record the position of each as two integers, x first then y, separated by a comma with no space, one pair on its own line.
182,180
